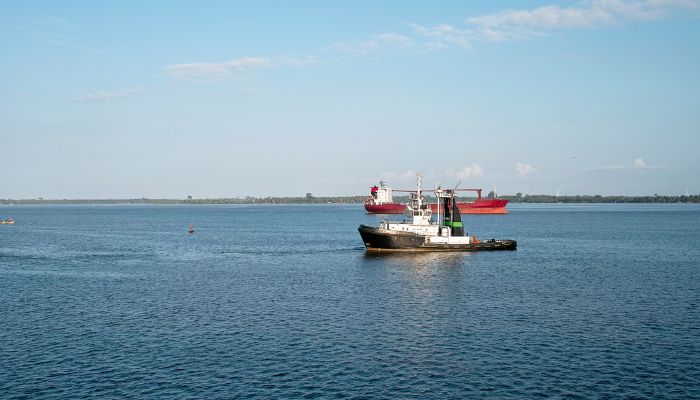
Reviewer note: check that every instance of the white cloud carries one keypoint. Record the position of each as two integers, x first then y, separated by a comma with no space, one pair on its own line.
523,24
637,164
394,39
375,44
220,70
469,171
523,169
102,96
291,61
506,25
443,35
235,68
501,26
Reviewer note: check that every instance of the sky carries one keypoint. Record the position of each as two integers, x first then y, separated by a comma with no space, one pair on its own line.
165,99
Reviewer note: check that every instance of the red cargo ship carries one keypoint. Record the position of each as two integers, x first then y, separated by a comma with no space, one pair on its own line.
381,202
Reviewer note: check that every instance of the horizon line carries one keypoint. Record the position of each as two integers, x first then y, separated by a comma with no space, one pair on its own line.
245,198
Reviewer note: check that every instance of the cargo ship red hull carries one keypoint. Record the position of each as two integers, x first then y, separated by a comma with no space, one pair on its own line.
480,206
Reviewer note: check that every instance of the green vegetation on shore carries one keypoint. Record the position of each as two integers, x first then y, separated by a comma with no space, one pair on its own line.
308,199
543,198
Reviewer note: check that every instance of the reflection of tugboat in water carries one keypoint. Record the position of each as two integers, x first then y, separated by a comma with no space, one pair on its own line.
381,201
418,232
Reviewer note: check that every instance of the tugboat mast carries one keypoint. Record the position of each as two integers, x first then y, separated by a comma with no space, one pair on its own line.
438,192
418,190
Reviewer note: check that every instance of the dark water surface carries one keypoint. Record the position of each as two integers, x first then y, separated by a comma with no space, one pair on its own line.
599,301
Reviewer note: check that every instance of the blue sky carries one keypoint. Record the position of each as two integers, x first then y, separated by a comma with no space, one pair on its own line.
257,98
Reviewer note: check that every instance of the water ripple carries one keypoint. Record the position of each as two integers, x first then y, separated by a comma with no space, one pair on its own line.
587,307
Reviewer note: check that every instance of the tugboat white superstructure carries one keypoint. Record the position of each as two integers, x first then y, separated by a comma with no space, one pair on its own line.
418,232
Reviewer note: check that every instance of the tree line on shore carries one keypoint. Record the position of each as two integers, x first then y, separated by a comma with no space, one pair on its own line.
543,198
309,199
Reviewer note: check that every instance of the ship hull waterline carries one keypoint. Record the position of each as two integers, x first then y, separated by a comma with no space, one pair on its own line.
377,240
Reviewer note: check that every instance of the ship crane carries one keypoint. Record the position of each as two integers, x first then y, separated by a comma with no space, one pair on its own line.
478,191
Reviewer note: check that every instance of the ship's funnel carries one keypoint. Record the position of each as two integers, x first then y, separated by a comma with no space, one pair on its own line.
451,216
457,226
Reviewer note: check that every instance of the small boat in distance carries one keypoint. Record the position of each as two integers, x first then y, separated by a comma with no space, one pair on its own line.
381,201
9,221
418,232
190,229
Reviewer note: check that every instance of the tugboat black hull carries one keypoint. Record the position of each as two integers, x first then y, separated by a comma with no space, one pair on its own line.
381,240
377,239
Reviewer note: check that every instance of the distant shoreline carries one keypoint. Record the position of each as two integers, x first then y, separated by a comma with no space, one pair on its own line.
578,199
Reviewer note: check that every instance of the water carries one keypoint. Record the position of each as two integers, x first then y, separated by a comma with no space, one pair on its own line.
283,302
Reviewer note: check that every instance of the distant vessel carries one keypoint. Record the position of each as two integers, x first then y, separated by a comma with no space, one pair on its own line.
9,221
381,201
190,229
418,232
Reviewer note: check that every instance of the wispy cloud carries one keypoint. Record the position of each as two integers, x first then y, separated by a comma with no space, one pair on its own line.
469,171
116,94
293,61
523,24
217,70
443,35
523,169
637,164
501,26
394,39
375,44
520,24
237,68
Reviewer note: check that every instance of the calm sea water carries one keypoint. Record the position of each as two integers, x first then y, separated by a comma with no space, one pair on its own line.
599,301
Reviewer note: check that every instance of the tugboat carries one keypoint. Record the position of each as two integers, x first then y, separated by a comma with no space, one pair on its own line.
418,232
